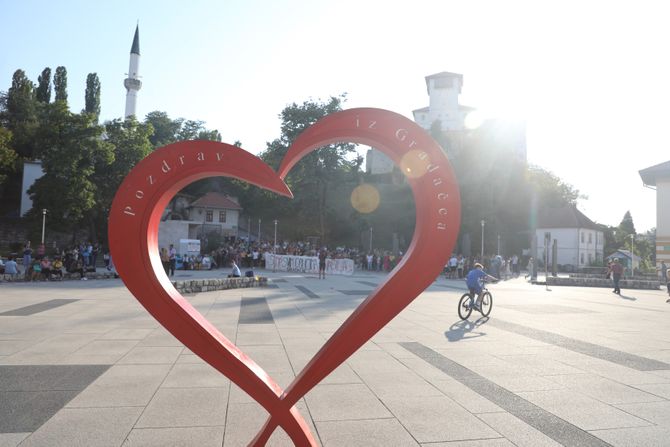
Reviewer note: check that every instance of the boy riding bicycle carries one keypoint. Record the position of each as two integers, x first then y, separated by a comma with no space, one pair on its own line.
474,281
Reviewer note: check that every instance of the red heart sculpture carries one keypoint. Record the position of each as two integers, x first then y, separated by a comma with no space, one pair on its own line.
144,194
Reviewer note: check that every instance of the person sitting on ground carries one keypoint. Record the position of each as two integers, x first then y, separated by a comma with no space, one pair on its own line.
36,271
474,282
57,268
236,271
10,267
45,264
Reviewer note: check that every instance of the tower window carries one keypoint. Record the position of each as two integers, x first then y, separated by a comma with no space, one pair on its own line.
210,216
222,216
443,83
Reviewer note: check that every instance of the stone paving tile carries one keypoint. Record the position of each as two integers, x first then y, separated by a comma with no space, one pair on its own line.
126,334
272,359
658,389
582,411
499,442
656,412
344,402
48,351
635,437
74,427
122,386
195,375
465,397
517,431
185,407
12,439
602,389
436,419
364,433
151,355
175,437
9,347
245,421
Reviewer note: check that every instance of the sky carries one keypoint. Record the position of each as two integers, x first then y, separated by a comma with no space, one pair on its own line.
591,78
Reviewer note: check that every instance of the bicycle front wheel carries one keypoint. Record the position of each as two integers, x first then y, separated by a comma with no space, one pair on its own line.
487,304
464,306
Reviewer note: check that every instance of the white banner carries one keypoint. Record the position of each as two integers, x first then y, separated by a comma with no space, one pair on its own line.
308,264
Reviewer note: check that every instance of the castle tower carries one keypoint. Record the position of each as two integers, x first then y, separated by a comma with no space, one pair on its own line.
132,82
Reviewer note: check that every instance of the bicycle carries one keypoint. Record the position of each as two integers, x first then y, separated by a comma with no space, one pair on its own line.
467,303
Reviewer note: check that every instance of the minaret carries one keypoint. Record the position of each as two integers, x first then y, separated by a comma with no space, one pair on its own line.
132,82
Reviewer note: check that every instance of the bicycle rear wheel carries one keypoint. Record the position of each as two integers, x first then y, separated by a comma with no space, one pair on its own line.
464,306
487,304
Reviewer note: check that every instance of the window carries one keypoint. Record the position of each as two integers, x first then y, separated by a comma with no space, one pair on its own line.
590,258
590,234
581,258
582,241
443,83
222,216
210,216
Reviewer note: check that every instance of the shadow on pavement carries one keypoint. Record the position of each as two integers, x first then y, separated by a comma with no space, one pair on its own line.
464,329
630,298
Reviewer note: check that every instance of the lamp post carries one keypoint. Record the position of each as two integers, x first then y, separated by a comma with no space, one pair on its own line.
274,247
44,218
498,244
482,254
274,250
248,232
259,230
632,254
370,239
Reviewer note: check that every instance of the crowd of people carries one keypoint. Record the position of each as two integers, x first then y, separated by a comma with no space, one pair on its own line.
38,265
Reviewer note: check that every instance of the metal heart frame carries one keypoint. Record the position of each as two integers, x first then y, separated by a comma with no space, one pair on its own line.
145,192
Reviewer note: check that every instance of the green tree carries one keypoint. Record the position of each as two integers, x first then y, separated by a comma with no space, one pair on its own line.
311,177
165,130
92,96
43,91
627,226
8,157
18,113
60,84
130,142
72,148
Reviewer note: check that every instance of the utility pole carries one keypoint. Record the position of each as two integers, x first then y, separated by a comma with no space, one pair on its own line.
482,254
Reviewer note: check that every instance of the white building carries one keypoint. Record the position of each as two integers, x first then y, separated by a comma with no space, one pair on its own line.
658,177
213,212
579,240
443,91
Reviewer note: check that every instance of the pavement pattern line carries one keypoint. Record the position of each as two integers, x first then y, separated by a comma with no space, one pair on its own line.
545,422
255,311
368,283
36,308
355,292
601,352
307,292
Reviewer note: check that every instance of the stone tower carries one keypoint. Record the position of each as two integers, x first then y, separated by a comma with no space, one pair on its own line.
132,82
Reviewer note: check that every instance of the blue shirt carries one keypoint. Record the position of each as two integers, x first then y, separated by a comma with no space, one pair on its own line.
474,277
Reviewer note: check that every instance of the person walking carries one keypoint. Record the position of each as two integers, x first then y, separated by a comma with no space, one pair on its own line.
530,268
616,269
323,254
165,260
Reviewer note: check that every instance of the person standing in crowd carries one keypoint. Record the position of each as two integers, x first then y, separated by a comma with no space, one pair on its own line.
172,257
530,268
323,254
165,260
27,259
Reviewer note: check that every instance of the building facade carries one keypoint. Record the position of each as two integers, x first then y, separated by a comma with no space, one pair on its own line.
212,213
579,241
658,177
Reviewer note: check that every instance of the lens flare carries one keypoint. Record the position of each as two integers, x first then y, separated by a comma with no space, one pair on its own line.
414,164
365,198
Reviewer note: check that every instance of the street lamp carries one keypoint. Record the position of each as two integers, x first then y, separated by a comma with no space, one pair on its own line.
632,255
482,257
498,244
44,217
259,230
274,247
274,250
370,239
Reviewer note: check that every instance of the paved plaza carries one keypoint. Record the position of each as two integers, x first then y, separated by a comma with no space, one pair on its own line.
83,364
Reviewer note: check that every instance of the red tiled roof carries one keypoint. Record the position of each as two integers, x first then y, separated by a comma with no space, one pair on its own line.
216,200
